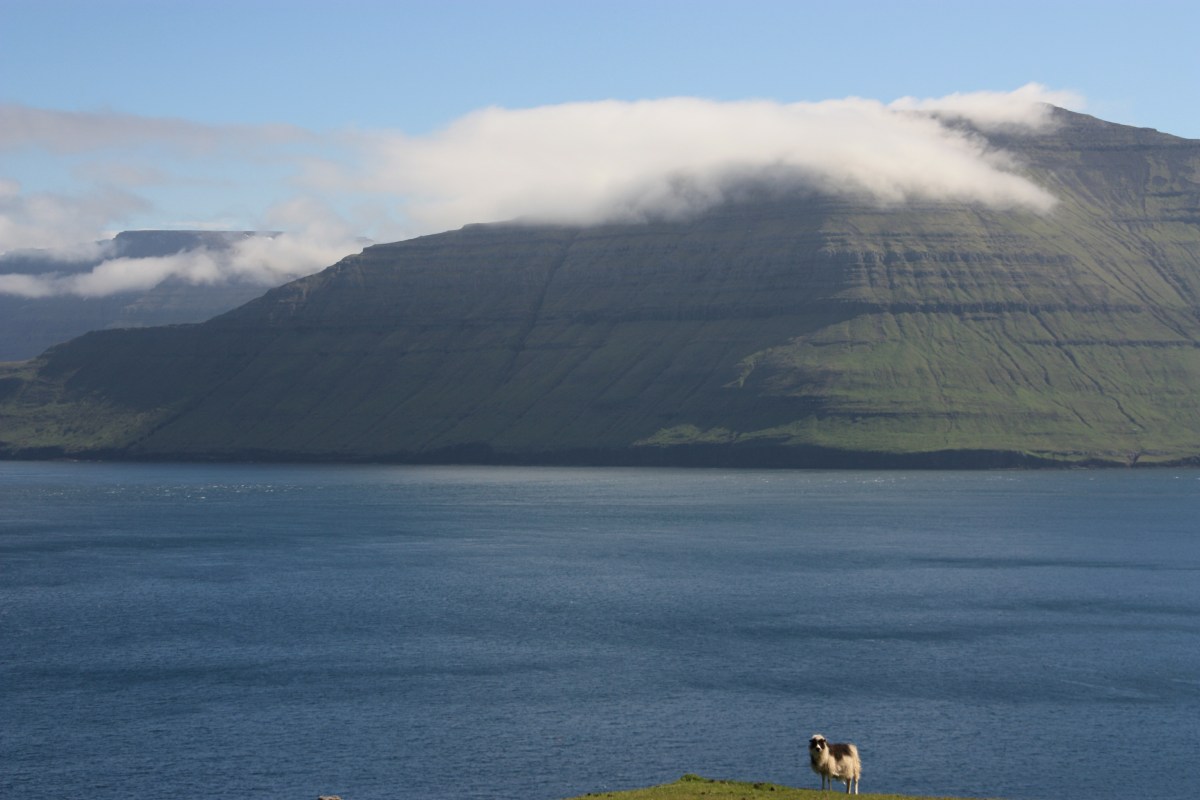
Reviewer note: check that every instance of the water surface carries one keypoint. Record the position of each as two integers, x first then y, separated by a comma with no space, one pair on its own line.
399,632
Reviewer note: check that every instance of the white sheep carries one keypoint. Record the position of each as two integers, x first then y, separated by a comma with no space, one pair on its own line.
834,762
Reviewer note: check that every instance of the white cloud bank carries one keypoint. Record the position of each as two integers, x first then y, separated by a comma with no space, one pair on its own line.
602,161
576,163
261,260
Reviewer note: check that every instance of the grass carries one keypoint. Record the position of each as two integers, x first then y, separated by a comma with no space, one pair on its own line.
1098,387
694,787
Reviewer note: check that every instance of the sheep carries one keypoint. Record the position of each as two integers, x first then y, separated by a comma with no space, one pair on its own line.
834,762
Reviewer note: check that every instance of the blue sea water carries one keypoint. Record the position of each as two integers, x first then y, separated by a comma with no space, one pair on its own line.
448,632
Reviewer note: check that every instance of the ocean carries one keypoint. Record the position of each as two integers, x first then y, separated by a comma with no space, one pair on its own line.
273,631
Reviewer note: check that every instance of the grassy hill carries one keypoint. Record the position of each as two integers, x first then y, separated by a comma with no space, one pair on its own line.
799,330
693,787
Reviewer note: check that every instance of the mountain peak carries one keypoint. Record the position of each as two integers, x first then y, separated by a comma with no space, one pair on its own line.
800,328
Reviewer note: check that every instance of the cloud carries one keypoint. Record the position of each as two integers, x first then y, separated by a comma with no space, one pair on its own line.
265,260
1027,107
64,132
118,168
68,222
613,160
109,169
577,163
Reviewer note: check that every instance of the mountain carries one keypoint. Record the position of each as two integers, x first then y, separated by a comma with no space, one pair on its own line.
779,330
28,325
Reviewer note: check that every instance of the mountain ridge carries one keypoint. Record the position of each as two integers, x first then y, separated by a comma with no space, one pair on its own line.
799,329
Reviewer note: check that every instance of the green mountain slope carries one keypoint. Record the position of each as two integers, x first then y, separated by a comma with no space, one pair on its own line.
782,330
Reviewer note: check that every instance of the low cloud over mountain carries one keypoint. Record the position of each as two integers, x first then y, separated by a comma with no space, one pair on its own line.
574,163
262,261
613,161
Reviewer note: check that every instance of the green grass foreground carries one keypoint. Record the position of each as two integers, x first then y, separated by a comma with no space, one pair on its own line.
694,787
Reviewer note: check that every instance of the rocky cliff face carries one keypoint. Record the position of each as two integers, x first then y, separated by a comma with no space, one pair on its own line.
781,330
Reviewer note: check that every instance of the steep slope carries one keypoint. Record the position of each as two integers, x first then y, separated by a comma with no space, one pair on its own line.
783,330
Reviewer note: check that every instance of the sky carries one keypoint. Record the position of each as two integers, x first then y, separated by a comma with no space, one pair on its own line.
338,122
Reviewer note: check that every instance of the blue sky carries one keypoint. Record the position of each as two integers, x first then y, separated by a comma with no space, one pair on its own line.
415,66
274,113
